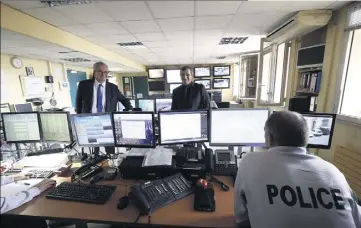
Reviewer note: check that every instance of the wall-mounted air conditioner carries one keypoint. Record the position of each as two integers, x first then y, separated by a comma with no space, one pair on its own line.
300,24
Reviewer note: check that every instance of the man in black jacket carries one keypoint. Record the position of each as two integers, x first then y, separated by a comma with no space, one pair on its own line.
190,95
98,95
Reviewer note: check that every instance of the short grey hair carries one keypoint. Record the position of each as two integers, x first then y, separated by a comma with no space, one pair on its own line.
98,64
287,128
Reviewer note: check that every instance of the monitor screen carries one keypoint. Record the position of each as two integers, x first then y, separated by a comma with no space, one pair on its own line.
202,71
234,127
132,102
56,127
163,104
182,127
320,128
21,127
156,86
155,73
173,86
173,76
147,105
26,107
220,83
205,82
94,130
224,156
134,129
221,71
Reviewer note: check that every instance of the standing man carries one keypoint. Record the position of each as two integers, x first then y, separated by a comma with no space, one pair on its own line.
98,95
286,187
190,95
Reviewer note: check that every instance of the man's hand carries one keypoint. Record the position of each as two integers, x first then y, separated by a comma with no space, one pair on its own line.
45,184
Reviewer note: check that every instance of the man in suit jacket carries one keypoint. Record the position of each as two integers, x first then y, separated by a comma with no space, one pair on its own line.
98,95
99,89
190,95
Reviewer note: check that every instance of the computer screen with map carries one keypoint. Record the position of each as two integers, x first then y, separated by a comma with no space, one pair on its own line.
56,127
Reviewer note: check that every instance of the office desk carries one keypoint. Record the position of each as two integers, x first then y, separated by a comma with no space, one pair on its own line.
178,214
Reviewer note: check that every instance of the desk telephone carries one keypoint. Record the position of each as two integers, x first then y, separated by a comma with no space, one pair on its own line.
226,163
158,193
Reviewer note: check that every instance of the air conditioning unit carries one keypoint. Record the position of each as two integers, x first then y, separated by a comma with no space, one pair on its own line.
300,24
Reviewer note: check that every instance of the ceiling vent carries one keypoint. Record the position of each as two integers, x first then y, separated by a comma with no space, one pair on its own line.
302,23
66,52
232,40
66,3
76,60
132,45
221,57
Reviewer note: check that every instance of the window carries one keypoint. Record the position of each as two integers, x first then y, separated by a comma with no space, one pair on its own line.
350,89
273,74
351,83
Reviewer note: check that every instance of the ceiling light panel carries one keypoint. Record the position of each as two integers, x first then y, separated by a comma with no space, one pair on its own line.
232,40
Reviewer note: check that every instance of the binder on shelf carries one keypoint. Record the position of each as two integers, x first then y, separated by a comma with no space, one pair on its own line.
313,82
318,82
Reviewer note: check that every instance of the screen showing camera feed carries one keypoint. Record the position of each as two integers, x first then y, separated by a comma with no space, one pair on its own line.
221,71
202,71
319,128
206,83
221,83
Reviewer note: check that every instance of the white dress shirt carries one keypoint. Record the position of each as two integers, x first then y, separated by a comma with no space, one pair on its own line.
286,187
95,95
13,201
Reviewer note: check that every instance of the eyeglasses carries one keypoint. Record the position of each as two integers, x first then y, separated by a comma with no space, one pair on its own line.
102,72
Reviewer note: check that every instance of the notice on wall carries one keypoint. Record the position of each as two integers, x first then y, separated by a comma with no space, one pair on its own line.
33,86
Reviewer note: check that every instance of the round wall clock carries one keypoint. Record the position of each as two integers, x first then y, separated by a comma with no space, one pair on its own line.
16,62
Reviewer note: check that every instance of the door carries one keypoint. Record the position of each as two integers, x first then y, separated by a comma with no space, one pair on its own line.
140,87
74,77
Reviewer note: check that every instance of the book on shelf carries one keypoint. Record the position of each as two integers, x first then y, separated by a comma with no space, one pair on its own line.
310,81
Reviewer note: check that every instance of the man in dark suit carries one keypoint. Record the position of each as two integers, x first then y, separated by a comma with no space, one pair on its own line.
190,95
98,95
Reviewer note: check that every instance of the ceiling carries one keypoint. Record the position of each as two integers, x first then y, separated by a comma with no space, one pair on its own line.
173,32
17,44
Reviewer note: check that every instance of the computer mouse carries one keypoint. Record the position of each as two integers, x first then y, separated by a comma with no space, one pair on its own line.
123,202
95,179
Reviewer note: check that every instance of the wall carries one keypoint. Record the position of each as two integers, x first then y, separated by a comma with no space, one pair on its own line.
10,76
227,94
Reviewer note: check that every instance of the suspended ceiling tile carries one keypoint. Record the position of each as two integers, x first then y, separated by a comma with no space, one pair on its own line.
171,9
126,10
176,24
141,26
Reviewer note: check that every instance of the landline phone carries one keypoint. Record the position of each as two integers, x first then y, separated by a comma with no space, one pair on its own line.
159,193
88,170
225,163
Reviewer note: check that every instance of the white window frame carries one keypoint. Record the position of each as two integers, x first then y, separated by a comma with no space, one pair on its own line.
271,83
242,82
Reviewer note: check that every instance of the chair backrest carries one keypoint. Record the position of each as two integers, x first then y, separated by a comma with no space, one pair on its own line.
224,105
349,163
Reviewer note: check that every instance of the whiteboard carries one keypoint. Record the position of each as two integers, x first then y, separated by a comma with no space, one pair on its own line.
32,86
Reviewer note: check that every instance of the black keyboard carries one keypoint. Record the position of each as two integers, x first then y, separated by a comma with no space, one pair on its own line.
97,194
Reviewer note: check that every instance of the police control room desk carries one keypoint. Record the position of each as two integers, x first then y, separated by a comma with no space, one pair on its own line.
177,214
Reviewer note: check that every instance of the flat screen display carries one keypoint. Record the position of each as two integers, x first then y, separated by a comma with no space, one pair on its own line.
205,82
173,76
221,71
155,73
157,86
173,86
202,71
221,83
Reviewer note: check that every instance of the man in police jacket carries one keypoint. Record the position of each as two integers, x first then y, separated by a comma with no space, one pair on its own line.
286,187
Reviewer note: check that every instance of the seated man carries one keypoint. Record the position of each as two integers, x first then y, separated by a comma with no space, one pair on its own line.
286,187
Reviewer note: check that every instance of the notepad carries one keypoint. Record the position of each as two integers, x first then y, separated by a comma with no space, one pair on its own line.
159,156
43,161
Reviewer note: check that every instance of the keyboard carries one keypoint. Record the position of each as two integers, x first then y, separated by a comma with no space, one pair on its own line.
96,194
158,193
11,171
39,173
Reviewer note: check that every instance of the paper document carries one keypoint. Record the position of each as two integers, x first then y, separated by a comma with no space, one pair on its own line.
140,152
19,186
46,161
158,156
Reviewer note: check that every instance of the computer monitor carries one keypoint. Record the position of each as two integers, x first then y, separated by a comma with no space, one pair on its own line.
26,107
134,129
221,71
147,105
132,102
173,76
156,86
237,127
320,126
183,127
93,130
205,82
156,73
173,86
202,71
21,127
56,127
163,104
5,108
221,83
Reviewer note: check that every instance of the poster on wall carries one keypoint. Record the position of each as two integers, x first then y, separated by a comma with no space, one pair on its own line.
29,71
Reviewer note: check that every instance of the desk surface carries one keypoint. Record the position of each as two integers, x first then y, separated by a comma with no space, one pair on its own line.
179,213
